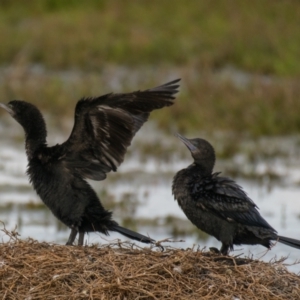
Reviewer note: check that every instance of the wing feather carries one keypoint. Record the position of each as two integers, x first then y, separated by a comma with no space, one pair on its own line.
225,198
105,126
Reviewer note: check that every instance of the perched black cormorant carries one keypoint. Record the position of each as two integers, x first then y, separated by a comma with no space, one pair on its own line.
217,205
103,129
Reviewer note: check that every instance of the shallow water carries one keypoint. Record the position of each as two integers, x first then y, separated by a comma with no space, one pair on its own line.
141,191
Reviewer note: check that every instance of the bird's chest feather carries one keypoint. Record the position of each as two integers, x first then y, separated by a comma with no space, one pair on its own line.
50,182
189,190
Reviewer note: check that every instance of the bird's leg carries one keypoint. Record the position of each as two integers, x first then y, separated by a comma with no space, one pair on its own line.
72,236
81,238
224,249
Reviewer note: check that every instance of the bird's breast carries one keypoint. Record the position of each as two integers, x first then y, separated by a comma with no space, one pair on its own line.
49,181
181,189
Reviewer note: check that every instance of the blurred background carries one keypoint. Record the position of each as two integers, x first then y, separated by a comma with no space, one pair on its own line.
240,89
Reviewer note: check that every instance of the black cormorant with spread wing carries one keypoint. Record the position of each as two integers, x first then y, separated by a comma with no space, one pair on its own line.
103,129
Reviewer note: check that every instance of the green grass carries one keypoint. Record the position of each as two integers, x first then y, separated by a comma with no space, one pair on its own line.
259,109
154,41
259,35
205,103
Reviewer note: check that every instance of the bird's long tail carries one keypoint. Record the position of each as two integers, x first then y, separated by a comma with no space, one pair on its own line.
132,234
288,241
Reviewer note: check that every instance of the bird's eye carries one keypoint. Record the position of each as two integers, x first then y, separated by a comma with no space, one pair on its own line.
10,105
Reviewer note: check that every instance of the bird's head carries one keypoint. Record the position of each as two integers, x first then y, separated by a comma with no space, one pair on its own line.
23,112
32,121
202,152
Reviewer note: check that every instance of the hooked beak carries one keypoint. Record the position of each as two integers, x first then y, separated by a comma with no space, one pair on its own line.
186,141
7,108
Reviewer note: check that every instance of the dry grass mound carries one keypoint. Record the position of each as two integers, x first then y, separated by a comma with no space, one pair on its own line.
33,270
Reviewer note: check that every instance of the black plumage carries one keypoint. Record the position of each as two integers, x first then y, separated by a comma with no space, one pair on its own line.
103,129
219,206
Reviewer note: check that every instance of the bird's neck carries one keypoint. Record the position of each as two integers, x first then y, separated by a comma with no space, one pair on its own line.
35,137
203,169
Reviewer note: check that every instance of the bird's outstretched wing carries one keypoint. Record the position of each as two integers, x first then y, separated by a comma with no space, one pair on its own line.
225,198
105,126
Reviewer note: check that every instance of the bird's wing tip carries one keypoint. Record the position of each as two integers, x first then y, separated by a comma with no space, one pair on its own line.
170,87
